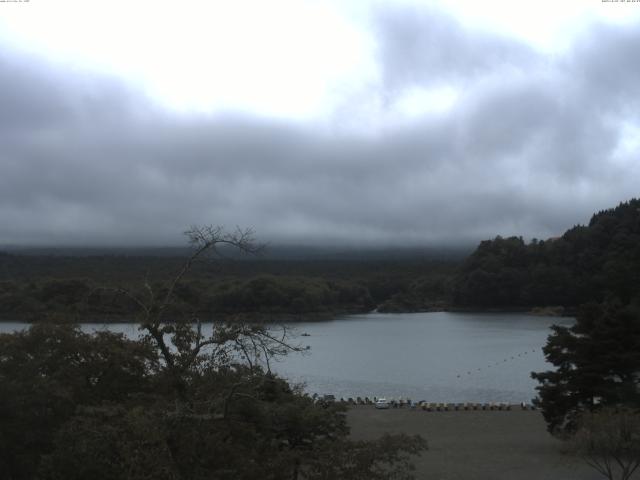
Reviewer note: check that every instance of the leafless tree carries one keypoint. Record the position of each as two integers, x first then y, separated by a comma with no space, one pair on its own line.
609,441
181,341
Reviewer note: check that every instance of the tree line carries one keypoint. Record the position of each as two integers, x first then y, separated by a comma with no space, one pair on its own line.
82,299
596,262
55,288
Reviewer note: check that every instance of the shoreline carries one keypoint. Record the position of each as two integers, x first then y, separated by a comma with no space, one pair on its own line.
267,318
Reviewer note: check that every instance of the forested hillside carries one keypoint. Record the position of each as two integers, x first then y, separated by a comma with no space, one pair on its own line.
597,262
79,288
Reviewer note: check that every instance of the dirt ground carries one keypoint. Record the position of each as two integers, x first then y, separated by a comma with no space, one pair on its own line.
476,445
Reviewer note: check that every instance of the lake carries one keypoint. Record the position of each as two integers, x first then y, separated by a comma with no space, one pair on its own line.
435,356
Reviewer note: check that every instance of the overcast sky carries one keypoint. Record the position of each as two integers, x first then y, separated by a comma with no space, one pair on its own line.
335,122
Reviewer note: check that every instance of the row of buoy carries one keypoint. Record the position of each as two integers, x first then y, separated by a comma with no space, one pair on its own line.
401,402
444,407
504,360
430,406
359,400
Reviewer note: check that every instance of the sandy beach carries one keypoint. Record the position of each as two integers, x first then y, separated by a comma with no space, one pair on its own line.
475,445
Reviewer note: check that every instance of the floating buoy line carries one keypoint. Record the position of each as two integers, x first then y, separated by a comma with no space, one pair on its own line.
496,363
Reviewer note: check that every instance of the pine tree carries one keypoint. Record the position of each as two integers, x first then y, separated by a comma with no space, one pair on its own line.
597,364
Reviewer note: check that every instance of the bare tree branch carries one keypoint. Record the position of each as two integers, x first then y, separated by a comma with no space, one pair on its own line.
180,342
609,441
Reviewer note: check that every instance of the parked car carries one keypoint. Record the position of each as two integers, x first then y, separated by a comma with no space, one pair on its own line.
382,403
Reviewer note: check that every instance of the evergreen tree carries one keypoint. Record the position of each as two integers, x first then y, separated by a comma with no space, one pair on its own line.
597,262
597,364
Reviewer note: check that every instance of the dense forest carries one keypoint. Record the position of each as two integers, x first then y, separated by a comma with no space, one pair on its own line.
596,262
72,288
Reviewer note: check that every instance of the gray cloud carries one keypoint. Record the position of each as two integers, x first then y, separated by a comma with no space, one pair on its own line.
530,147
426,46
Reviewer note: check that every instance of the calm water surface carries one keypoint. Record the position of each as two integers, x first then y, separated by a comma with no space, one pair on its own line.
439,357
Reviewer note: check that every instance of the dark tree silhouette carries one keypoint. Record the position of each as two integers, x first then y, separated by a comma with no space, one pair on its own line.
597,364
